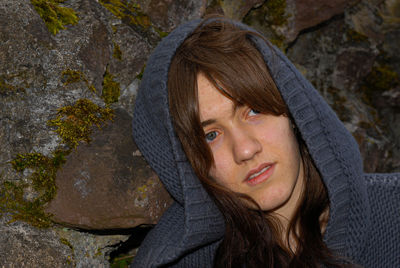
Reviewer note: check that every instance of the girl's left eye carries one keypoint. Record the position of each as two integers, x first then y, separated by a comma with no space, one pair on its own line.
253,112
210,136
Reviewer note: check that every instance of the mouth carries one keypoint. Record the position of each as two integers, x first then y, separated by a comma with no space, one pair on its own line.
260,174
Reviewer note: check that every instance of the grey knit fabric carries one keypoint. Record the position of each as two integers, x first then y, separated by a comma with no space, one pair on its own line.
364,223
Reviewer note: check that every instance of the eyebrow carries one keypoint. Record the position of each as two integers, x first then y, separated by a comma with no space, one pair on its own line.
212,121
208,122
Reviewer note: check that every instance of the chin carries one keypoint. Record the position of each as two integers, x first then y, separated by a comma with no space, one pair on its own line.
274,201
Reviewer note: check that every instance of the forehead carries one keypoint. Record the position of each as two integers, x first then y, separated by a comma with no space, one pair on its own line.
212,103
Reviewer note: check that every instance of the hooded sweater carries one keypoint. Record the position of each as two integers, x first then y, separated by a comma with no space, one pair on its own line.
364,216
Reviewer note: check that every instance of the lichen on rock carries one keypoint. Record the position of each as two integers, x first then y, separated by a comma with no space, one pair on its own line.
55,16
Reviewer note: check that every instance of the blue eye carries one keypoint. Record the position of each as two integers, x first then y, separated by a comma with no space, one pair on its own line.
253,112
210,136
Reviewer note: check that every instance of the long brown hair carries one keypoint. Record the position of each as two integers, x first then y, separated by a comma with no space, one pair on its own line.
224,53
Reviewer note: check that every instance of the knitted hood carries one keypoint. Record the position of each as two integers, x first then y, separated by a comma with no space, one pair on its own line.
194,222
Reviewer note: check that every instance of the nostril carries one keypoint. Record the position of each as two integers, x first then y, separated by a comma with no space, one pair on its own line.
246,148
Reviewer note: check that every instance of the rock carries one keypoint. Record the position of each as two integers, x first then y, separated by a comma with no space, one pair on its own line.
308,13
282,21
24,246
90,249
352,66
134,52
107,184
95,54
392,97
364,20
238,9
337,66
167,14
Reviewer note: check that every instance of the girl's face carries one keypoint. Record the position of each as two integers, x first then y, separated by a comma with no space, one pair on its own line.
255,154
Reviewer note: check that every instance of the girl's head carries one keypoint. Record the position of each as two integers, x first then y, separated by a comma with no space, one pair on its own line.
243,145
232,120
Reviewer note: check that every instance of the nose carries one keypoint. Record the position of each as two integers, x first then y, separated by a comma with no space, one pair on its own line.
245,145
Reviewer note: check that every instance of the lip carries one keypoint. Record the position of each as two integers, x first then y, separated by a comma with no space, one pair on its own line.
261,177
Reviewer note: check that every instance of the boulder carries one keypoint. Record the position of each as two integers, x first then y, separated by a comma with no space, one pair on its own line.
107,184
24,246
307,13
167,14
238,9
352,66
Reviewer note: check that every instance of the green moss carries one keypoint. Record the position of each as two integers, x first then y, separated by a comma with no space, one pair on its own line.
98,253
117,53
114,28
127,11
54,15
337,102
140,75
70,259
161,33
111,89
130,13
121,261
42,180
67,243
142,190
75,123
272,13
72,76
278,41
356,36
275,12
6,88
381,78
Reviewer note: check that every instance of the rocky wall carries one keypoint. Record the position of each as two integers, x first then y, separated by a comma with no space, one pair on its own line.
75,191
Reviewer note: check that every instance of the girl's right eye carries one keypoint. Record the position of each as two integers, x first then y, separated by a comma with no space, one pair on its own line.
210,136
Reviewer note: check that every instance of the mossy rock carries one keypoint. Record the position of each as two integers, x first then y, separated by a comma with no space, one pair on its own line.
12,194
111,89
75,123
55,16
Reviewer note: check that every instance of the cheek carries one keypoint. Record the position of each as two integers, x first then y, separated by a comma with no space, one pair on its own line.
222,169
275,196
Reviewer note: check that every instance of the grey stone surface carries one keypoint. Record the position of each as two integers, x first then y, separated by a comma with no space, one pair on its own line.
24,246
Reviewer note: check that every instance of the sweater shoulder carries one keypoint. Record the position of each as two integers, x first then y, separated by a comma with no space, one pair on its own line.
383,246
389,180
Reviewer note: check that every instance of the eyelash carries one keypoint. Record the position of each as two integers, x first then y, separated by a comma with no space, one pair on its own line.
254,111
208,134
214,134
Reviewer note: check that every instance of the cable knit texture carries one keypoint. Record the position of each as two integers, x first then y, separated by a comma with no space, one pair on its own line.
364,223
